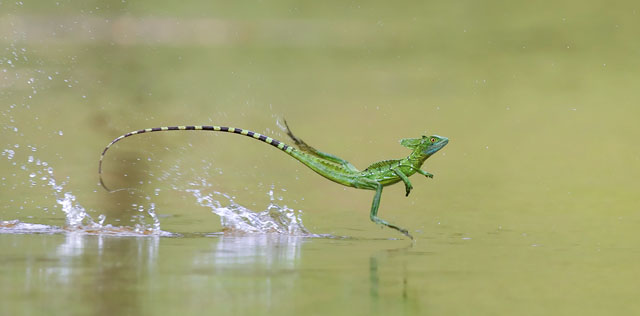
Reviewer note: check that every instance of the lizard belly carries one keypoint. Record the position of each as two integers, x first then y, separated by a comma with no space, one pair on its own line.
385,178
343,179
389,181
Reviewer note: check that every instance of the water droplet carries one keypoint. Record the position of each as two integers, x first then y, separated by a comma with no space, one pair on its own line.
9,153
60,133
101,219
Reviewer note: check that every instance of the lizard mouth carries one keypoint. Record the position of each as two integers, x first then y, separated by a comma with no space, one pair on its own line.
437,146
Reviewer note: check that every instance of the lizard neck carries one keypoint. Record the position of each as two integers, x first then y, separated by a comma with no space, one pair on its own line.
417,158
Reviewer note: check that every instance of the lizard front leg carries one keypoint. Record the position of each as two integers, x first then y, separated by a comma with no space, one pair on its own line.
420,171
424,173
405,179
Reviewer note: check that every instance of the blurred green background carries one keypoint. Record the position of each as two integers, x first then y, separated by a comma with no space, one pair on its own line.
539,99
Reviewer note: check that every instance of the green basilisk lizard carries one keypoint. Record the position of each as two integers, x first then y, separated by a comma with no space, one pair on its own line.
374,177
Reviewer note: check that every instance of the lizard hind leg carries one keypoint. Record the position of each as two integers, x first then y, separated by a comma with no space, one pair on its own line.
299,142
310,150
374,213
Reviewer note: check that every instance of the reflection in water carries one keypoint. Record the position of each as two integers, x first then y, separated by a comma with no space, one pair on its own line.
387,259
258,269
111,264
267,251
373,278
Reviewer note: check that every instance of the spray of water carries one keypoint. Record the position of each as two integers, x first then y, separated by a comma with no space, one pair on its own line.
77,219
239,219
27,170
235,218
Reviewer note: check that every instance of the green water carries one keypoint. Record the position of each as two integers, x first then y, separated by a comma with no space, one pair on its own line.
499,273
533,210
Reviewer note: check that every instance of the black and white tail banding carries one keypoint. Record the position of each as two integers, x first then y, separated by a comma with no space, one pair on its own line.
280,145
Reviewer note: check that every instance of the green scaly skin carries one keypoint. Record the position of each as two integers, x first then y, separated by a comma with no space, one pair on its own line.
374,177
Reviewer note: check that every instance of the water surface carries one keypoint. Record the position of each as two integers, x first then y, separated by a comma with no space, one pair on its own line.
533,210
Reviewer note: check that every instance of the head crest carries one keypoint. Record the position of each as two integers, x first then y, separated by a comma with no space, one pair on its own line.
410,143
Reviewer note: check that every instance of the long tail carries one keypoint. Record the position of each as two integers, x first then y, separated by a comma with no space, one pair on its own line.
280,145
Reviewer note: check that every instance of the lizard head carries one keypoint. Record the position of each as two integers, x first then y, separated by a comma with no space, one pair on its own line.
427,145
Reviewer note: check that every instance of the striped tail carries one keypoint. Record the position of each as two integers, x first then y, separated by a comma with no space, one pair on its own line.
280,145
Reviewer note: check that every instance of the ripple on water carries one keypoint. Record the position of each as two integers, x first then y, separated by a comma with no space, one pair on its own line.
17,227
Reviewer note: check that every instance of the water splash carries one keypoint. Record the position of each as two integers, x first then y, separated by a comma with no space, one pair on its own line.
23,83
77,218
17,227
237,218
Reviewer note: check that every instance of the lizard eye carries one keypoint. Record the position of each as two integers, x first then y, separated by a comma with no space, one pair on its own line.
433,140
